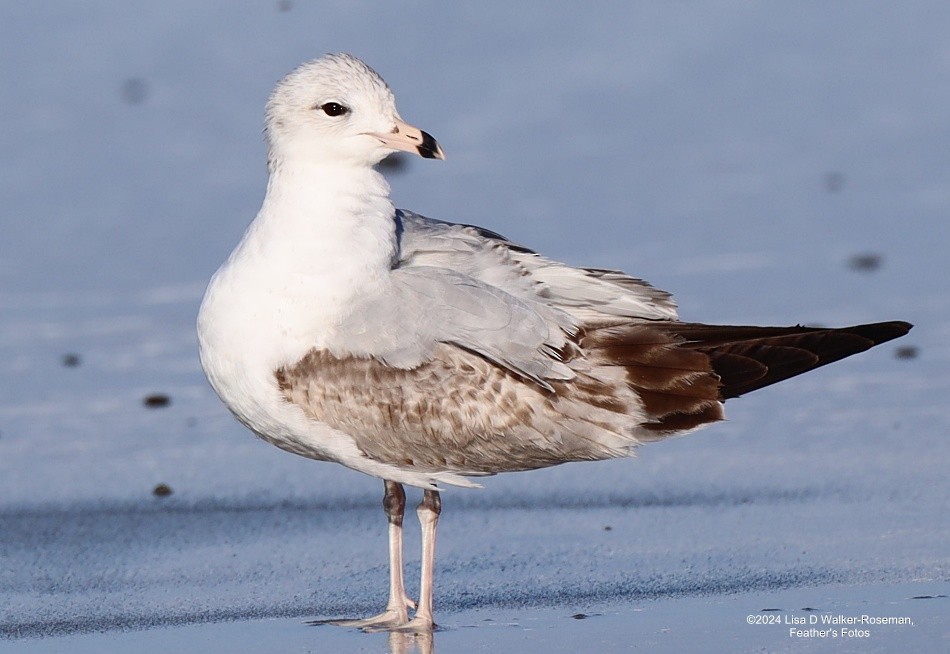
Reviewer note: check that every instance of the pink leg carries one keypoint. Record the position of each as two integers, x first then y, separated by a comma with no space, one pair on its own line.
428,512
396,613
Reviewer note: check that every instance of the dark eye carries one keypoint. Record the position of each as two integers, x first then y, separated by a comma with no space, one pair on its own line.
334,109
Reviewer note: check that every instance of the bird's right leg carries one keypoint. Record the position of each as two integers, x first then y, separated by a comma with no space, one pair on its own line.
397,610
394,503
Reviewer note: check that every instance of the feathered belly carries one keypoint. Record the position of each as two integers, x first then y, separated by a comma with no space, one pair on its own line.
458,412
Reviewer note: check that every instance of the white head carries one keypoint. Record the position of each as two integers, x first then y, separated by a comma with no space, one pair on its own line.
338,109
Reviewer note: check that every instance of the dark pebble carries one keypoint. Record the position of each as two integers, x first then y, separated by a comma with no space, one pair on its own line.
394,163
157,401
579,616
868,262
607,528
834,182
162,490
71,360
906,352
134,90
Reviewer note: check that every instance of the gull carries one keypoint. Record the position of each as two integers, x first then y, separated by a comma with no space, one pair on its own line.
426,353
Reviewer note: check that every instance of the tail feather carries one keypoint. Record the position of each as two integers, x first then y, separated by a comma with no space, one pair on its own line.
784,353
683,372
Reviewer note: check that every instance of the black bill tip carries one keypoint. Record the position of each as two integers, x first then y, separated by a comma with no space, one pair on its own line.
429,148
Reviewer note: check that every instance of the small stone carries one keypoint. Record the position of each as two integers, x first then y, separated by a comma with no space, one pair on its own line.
162,490
134,90
156,401
867,262
579,616
906,352
834,182
71,360
394,163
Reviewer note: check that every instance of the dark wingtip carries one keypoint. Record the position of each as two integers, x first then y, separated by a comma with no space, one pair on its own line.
881,332
749,358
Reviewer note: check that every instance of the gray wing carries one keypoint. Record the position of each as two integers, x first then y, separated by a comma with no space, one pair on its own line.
428,305
591,295
472,288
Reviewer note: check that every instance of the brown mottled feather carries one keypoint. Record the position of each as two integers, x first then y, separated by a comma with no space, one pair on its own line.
677,386
461,412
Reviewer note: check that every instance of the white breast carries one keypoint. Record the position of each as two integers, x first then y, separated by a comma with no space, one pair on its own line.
283,290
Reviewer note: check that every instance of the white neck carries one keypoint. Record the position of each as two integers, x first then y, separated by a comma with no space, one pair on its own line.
324,235
324,232
322,221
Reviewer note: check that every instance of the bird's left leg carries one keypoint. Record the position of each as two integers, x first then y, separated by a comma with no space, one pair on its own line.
397,610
